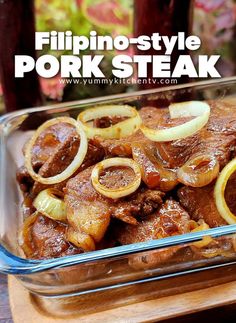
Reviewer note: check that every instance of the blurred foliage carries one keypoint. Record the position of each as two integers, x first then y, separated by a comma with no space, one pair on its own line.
107,17
214,22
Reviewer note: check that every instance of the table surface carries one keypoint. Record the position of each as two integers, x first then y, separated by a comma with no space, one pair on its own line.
217,315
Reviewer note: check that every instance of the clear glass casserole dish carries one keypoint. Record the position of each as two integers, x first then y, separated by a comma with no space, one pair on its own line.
95,273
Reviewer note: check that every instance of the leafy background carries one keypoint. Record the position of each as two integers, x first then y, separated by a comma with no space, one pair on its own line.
214,22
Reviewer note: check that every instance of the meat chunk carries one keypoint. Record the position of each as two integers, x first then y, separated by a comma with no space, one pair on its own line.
122,147
200,204
140,204
171,219
46,239
217,138
43,150
90,212
57,162
45,147
62,158
49,141
61,143
154,174
108,121
24,179
230,193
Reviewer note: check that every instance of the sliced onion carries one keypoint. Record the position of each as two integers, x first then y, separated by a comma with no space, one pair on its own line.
80,239
50,203
117,131
212,253
25,239
198,109
199,171
78,160
215,249
205,240
188,109
116,193
219,192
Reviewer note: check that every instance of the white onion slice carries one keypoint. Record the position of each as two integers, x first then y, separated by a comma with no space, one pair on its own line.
117,131
51,205
116,193
219,192
205,240
77,161
198,109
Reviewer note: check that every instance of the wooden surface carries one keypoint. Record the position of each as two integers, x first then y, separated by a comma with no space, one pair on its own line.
149,311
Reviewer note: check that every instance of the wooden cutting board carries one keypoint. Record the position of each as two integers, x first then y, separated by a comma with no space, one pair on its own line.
24,310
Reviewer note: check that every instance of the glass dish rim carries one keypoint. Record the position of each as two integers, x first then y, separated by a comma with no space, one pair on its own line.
12,264
98,100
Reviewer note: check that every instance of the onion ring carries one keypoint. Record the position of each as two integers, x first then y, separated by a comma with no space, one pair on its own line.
117,131
78,160
116,192
50,205
198,109
219,192
205,240
25,239
199,171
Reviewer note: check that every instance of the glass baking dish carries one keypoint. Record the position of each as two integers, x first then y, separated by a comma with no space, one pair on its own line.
71,279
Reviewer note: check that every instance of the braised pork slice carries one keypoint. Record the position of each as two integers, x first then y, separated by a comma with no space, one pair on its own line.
154,173
44,148
62,158
47,239
171,219
122,147
217,138
49,141
66,140
90,212
200,203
